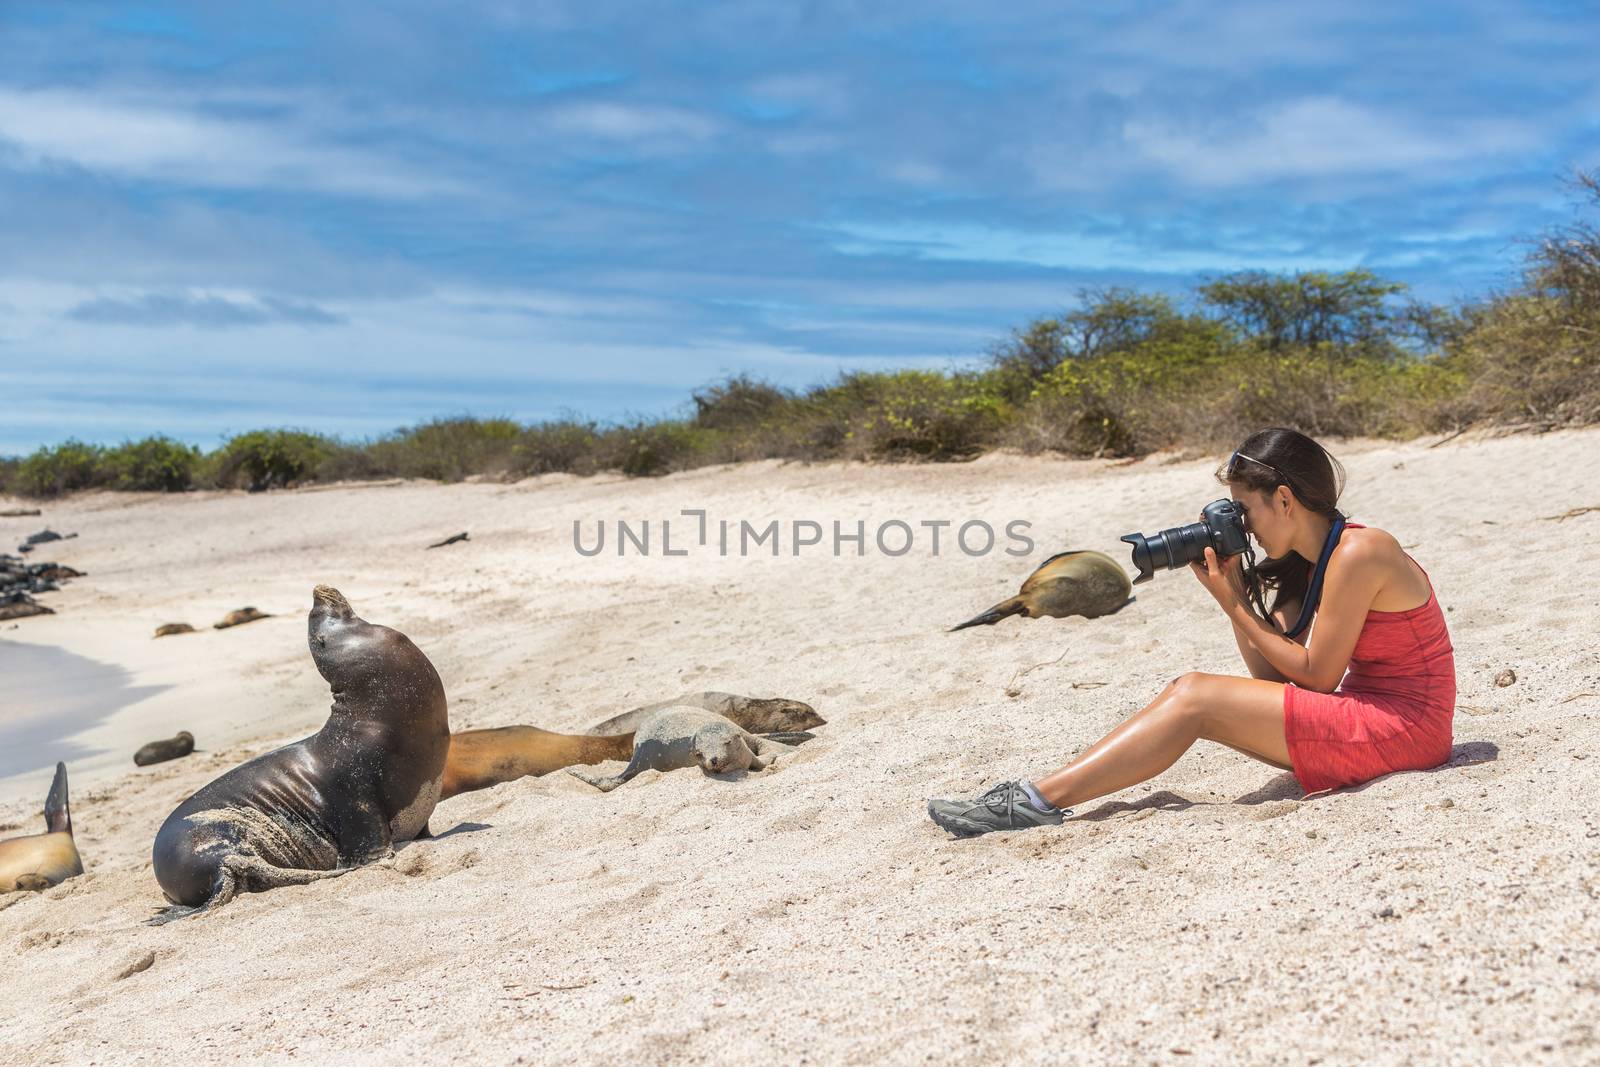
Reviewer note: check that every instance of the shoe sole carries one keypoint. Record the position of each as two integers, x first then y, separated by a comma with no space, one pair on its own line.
964,828
958,826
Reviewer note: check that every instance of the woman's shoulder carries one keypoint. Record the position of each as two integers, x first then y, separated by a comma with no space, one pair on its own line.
1369,542
1367,548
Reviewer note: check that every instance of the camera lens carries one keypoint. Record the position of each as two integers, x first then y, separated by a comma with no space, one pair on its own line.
1168,550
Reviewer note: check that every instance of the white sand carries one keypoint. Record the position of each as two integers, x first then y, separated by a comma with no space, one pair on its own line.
812,913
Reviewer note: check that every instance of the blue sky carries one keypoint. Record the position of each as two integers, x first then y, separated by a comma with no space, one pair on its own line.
350,217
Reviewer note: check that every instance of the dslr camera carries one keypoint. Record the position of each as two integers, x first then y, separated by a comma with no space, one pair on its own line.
1221,527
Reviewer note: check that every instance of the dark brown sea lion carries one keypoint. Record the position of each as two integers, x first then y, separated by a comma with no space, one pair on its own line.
1084,583
40,861
20,606
758,715
338,799
161,751
171,628
481,758
239,618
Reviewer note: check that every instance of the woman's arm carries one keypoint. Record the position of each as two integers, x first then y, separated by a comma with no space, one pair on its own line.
1254,662
1354,576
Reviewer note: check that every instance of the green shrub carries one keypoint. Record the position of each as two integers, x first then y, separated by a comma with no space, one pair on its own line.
646,449
562,446
738,403
268,459
448,450
156,464
347,462
66,468
913,414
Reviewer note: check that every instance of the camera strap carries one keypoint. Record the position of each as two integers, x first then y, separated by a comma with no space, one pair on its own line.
1308,609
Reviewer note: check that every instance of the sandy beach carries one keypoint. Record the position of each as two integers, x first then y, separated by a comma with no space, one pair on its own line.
812,913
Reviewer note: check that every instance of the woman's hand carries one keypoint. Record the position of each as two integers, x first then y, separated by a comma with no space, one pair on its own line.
1223,579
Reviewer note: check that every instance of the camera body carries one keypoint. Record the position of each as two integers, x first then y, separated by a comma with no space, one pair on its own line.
1221,527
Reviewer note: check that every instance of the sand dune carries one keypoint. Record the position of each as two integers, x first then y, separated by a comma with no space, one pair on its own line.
812,913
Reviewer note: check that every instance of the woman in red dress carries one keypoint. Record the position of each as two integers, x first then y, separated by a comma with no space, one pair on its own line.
1367,690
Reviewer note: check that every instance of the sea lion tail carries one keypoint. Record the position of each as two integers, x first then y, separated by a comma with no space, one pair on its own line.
57,816
1003,610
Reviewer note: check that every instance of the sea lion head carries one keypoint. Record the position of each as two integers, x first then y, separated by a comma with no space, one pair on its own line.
720,747
778,715
368,667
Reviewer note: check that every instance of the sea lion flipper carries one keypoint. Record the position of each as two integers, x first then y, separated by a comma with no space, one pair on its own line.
1003,610
174,912
604,783
796,737
57,814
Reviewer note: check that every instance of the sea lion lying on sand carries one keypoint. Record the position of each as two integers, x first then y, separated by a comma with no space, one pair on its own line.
40,861
163,750
171,628
678,736
1084,583
482,758
239,618
338,799
759,715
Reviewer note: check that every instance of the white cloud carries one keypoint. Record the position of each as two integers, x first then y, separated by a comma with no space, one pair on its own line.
153,141
633,122
1083,251
1317,137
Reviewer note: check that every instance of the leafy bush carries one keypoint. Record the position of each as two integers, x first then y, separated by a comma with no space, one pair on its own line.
156,464
912,414
448,450
646,449
549,447
268,459
66,468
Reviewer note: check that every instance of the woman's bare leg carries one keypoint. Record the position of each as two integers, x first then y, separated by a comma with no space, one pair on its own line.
1243,713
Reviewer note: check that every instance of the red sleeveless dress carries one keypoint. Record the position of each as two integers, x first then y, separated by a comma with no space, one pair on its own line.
1392,712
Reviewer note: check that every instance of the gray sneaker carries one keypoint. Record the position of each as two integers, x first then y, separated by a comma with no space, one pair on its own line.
1004,807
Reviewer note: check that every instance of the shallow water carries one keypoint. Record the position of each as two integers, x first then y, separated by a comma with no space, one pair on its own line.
47,696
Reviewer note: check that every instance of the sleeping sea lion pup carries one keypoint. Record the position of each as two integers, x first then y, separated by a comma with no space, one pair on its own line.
339,798
40,861
759,715
1084,583
677,737
161,751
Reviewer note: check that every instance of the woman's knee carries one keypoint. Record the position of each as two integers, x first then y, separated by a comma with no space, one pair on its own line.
1187,695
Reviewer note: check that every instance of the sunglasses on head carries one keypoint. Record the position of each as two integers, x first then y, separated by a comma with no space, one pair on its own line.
1237,456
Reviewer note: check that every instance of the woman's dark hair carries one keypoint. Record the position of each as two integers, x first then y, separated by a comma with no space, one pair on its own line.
1280,456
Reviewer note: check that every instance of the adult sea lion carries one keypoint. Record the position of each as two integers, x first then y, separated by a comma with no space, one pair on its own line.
680,736
168,748
758,715
239,618
1084,583
338,799
481,758
40,861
